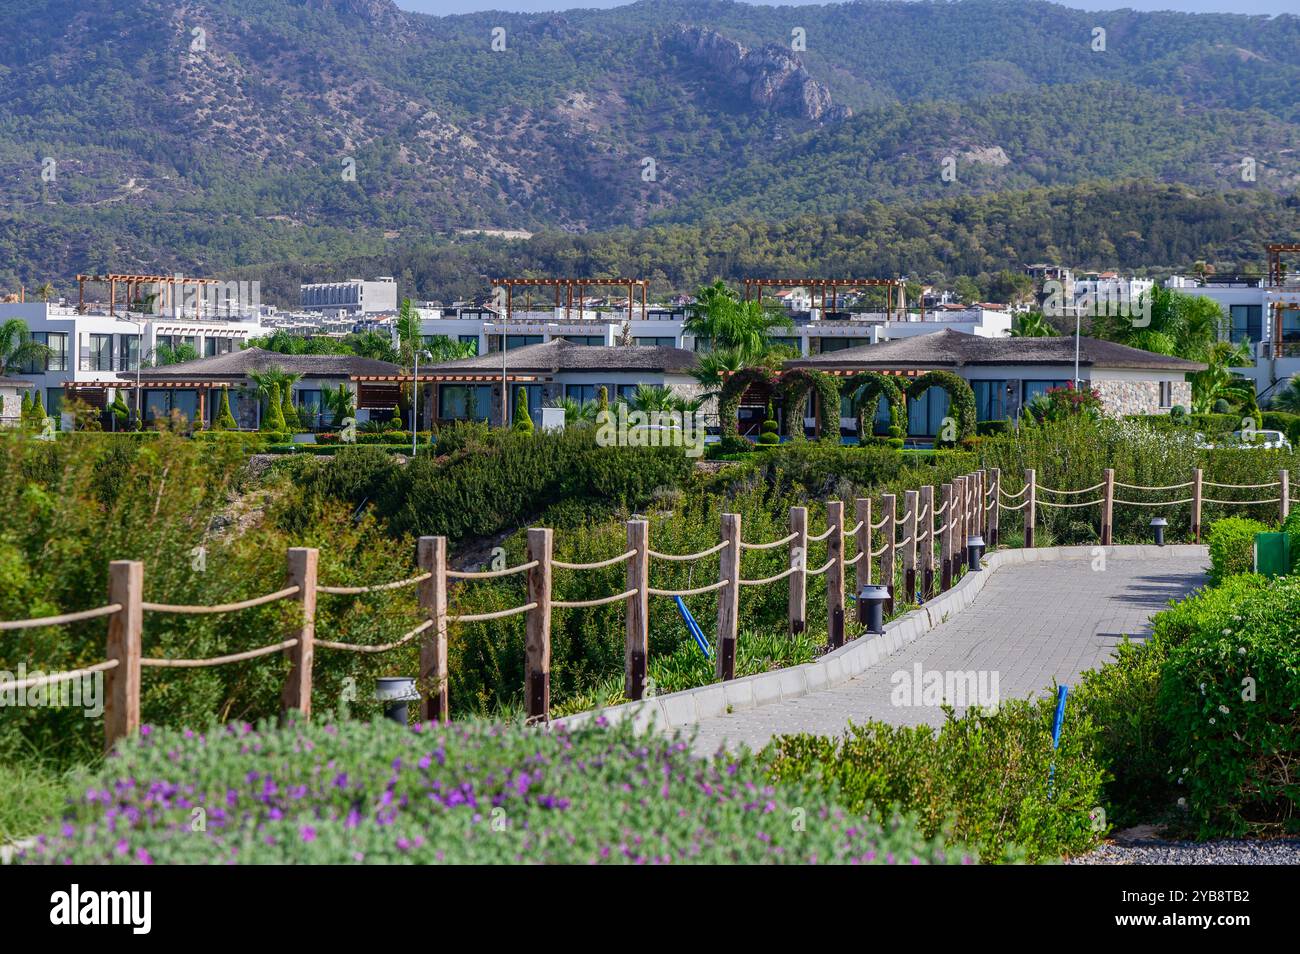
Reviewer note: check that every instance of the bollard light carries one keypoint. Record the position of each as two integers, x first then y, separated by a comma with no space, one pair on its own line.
396,692
1158,525
873,599
974,550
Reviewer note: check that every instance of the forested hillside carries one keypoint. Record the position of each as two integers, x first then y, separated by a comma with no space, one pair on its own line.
214,134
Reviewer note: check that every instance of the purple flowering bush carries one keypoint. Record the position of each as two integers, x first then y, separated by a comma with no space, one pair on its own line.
325,793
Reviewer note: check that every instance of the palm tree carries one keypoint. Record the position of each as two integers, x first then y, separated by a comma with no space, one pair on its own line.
17,349
1187,326
1032,325
1217,382
713,368
165,354
721,318
338,400
44,291
1288,398
576,413
274,381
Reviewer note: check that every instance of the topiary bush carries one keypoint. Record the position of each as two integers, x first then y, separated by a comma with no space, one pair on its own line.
274,419
1232,546
523,421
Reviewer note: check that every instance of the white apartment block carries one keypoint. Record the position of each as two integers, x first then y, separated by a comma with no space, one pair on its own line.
88,351
352,297
664,327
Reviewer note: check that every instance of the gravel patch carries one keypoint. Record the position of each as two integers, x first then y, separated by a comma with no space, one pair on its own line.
1222,852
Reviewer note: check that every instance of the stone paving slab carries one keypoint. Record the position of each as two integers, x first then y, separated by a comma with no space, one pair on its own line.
1028,626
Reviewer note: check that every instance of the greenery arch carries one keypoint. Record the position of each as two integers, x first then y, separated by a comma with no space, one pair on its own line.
793,391
864,391
961,398
733,389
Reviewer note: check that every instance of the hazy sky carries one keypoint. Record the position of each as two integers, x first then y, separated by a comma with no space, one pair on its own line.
1185,6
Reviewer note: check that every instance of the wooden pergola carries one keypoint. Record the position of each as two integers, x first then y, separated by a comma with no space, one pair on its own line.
200,386
569,284
834,286
1277,270
132,282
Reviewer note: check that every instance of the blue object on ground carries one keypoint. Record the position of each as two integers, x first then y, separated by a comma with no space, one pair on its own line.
1061,693
694,627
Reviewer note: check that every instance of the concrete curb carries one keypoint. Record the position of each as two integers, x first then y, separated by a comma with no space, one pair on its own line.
678,709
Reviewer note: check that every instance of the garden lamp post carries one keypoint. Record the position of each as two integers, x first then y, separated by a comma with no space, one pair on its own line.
395,692
1158,525
415,400
873,598
974,550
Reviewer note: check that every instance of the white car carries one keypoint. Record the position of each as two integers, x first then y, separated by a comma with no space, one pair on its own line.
1268,440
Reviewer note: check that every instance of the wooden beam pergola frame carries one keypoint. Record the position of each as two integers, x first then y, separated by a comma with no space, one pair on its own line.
1278,308
132,282
891,285
1276,269
569,284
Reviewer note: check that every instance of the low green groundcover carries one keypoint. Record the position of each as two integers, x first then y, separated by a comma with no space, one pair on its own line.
344,792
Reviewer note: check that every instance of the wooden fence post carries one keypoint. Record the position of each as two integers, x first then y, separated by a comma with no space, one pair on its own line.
909,547
431,558
1198,481
728,597
122,683
638,609
927,541
1108,509
835,574
1284,504
1032,495
799,578
889,514
537,645
958,526
945,539
303,562
995,511
862,570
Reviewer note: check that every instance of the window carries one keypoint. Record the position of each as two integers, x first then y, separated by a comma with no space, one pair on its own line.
1247,322
57,342
790,342
469,339
1291,325
990,400
839,344
925,414
215,346
53,402
625,392
310,407
37,365
1166,394
585,339
99,353
128,352
1031,389
461,402
582,393
512,341
657,341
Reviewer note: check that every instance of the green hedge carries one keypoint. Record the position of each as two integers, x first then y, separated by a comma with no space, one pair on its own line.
984,775
1288,424
1230,698
1232,546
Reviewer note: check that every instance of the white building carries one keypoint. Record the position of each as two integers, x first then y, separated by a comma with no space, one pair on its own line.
352,297
663,326
88,351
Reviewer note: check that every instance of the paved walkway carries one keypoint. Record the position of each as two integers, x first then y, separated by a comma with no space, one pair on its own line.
1030,625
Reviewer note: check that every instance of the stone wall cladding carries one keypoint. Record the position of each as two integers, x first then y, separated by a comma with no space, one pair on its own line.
1120,398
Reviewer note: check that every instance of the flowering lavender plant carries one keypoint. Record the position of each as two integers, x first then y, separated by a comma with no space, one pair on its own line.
326,792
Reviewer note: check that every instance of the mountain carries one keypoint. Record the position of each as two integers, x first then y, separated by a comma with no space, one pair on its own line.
213,134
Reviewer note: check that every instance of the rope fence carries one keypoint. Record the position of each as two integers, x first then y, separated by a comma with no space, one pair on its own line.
913,549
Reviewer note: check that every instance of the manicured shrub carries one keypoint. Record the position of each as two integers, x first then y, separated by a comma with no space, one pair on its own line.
1230,698
380,793
292,423
987,774
988,428
1232,546
225,420
274,419
523,422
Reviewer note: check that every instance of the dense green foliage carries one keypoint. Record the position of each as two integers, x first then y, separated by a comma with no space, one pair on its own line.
991,778
378,793
1232,546
550,133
